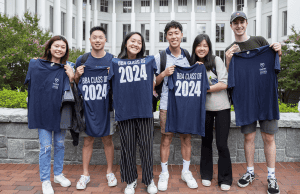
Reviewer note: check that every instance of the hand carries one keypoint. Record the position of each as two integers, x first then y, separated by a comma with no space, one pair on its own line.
276,47
35,58
69,72
169,70
108,70
200,63
80,70
229,53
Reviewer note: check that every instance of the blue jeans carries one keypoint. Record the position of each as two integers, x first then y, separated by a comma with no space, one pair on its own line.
45,138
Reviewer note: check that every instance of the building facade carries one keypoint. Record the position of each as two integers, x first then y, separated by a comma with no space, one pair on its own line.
271,19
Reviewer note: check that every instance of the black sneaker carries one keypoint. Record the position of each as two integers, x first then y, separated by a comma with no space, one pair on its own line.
273,187
246,179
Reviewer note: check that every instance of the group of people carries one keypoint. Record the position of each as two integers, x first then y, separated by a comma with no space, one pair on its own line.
131,77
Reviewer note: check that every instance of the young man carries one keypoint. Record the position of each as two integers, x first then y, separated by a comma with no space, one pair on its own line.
238,24
100,126
175,56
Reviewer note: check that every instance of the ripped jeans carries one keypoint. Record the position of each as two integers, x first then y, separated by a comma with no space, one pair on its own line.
45,138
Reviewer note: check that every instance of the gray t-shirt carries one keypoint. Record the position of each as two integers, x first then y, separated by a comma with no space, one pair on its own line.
216,101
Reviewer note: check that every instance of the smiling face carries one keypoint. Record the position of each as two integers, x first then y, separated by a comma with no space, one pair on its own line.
174,36
134,45
239,26
202,49
97,40
58,49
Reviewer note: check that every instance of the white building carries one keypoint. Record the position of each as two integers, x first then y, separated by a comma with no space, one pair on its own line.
74,18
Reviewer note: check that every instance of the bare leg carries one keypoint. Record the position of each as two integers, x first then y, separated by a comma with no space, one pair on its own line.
166,140
249,147
87,151
269,148
109,152
186,146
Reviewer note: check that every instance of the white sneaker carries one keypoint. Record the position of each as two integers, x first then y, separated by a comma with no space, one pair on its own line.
225,187
163,181
111,179
62,180
130,188
83,181
206,183
47,187
189,179
152,189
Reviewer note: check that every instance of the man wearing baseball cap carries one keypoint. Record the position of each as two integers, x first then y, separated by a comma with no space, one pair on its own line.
243,42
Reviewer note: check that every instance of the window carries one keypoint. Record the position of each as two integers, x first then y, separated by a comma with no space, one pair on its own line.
63,15
201,28
145,29
221,54
163,6
126,6
5,5
146,52
145,6
220,6
201,5
220,32
269,0
73,27
126,29
284,25
269,20
104,5
240,5
184,31
35,10
105,26
162,36
182,5
74,2
254,27
85,2
25,5
51,18
83,28
255,3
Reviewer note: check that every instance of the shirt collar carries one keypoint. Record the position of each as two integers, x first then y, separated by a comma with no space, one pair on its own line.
182,55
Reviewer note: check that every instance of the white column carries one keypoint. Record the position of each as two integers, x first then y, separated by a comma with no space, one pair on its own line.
193,24
95,18
69,23
293,16
87,26
258,17
20,8
172,12
41,11
245,8
274,34
56,18
152,31
79,25
132,17
114,30
213,26
233,10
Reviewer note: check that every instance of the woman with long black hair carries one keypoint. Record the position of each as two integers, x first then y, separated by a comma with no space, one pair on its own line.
217,113
132,83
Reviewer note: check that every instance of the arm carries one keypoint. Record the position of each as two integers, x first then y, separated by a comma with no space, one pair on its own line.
222,76
167,72
79,72
229,54
277,48
217,87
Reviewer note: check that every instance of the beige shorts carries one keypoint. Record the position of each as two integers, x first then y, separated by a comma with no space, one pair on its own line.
163,119
112,128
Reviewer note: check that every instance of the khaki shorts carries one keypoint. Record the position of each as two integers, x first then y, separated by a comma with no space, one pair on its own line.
163,119
112,128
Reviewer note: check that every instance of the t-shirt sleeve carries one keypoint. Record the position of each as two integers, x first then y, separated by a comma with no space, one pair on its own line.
157,62
27,79
263,41
231,80
111,70
221,70
78,62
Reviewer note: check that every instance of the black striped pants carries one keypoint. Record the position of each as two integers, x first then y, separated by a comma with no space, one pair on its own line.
132,131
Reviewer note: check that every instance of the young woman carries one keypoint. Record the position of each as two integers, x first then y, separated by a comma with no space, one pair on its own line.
217,112
132,83
48,78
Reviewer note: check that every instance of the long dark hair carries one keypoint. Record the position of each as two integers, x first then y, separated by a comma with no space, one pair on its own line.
209,58
47,54
123,52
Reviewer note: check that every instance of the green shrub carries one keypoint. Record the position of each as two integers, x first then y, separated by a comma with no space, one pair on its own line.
13,98
288,107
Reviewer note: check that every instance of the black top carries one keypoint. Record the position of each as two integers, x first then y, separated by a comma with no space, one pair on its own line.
252,43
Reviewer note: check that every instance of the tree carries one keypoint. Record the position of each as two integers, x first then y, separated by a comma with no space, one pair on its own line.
74,54
289,76
21,40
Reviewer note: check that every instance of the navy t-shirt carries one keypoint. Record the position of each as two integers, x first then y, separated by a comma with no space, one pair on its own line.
46,85
252,75
186,103
132,84
94,87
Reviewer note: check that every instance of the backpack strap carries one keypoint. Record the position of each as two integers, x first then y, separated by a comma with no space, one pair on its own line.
84,58
188,57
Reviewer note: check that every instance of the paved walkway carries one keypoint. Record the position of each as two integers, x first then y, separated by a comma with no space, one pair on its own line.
24,178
